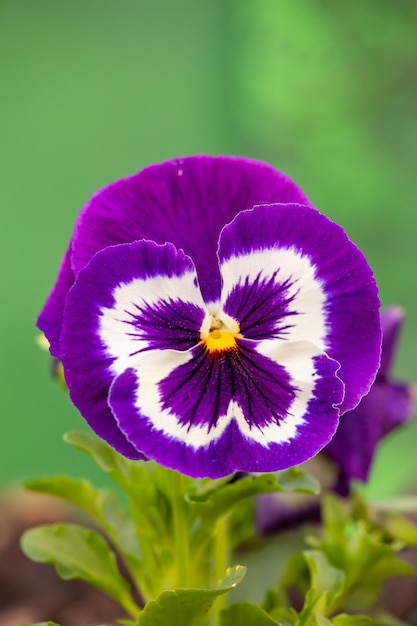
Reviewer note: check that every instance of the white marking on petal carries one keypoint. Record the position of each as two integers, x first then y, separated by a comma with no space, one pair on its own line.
306,290
305,338
116,332
297,358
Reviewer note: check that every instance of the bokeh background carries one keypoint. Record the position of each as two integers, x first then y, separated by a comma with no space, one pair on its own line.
95,90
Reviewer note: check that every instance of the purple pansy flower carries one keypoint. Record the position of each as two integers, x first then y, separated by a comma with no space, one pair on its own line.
209,318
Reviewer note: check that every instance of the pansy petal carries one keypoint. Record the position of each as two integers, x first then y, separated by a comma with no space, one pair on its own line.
185,202
280,511
305,280
392,319
129,299
50,318
387,406
212,415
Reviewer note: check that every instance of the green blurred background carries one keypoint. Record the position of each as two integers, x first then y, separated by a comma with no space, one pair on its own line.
92,90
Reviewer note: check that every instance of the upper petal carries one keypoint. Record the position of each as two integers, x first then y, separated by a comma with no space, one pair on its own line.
129,299
292,274
186,202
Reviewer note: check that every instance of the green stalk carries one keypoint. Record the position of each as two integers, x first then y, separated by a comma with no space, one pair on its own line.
181,530
221,555
143,580
130,606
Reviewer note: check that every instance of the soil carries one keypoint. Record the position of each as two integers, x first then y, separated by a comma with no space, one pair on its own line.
32,592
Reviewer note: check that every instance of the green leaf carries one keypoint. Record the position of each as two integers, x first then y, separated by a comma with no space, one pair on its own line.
247,614
326,582
135,478
266,564
80,553
353,543
354,620
187,607
121,470
81,493
147,488
296,480
311,572
292,480
320,620
400,528
101,505
212,503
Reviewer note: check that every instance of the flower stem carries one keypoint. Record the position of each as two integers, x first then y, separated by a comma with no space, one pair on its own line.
143,581
181,530
130,606
222,559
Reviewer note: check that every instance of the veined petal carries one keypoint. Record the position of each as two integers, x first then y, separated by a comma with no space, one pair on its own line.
291,274
212,414
129,299
186,202
274,294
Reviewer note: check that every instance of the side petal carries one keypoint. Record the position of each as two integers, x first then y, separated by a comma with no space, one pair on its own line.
209,416
186,202
305,280
50,318
129,299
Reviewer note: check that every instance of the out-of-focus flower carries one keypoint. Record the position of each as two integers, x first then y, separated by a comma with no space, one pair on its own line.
208,318
387,405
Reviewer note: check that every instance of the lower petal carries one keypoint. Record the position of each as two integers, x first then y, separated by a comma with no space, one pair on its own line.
210,417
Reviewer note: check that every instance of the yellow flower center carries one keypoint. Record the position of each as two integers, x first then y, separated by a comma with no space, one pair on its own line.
218,340
219,335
